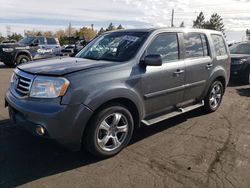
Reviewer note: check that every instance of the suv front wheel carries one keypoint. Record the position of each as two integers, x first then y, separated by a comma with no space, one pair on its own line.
214,96
109,131
22,59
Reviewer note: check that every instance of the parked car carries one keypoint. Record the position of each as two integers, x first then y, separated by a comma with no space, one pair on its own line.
71,50
240,54
9,42
28,49
118,82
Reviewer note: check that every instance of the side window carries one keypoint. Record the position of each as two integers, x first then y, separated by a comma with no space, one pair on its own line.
219,45
166,45
51,41
194,45
41,40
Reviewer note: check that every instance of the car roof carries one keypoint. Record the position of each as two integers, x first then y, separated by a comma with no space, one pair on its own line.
169,29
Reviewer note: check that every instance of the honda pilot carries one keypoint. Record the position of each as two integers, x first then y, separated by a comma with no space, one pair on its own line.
118,82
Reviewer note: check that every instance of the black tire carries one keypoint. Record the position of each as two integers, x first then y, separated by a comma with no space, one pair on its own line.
247,77
92,136
210,105
22,59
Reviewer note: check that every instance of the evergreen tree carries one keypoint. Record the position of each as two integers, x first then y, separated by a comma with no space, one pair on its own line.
200,21
15,37
215,23
101,31
182,24
111,27
120,27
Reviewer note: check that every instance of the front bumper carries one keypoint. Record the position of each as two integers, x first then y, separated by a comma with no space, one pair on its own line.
63,123
7,57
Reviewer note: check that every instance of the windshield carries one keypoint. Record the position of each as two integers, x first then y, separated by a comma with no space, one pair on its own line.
26,40
243,48
117,46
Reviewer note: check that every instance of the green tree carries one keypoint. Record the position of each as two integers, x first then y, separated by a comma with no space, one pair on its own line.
215,22
1,38
101,31
120,27
182,24
111,27
248,34
87,33
15,37
200,21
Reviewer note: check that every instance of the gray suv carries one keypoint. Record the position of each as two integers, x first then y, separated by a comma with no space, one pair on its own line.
118,82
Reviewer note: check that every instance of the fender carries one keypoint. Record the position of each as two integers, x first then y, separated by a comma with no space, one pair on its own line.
103,95
23,52
217,72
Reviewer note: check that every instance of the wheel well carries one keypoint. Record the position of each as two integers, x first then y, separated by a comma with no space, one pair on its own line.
223,81
126,103
24,53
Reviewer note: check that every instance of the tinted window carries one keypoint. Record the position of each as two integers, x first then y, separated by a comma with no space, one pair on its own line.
242,48
194,45
51,41
166,45
41,40
219,45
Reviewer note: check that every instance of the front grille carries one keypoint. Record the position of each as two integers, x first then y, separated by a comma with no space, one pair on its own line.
22,83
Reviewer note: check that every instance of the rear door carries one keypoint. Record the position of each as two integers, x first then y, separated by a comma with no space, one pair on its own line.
52,47
163,86
199,64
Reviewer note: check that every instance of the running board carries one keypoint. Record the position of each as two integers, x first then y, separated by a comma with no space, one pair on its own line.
172,114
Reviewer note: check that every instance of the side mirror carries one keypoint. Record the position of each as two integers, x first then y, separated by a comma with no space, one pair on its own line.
153,60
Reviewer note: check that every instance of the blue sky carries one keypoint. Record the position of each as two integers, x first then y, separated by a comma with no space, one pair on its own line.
22,15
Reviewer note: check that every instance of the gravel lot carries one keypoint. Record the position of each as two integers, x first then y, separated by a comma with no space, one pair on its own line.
192,150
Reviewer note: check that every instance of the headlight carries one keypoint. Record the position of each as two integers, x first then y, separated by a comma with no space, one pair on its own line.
8,50
243,61
48,87
12,78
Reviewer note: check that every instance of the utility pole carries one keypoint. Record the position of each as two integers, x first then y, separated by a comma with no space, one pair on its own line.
172,20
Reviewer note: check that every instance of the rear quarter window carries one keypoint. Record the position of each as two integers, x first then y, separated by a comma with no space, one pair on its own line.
51,41
219,45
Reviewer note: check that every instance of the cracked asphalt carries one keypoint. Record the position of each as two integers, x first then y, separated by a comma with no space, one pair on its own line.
191,150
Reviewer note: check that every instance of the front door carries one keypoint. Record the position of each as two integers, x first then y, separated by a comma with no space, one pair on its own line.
163,86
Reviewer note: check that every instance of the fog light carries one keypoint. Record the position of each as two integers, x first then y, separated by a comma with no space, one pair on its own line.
40,131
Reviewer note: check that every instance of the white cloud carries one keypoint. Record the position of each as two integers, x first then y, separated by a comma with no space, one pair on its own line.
53,14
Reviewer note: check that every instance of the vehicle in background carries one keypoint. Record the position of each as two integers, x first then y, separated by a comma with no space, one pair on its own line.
240,61
119,81
29,49
9,42
72,49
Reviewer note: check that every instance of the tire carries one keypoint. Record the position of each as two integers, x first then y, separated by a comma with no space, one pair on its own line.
214,97
109,131
247,77
22,59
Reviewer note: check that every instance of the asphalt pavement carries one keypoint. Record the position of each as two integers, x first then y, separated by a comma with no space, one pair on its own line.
192,150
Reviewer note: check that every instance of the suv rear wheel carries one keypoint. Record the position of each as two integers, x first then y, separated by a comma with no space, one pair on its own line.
22,59
109,131
214,96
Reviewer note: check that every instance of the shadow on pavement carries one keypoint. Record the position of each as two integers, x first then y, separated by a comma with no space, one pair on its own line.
25,158
244,92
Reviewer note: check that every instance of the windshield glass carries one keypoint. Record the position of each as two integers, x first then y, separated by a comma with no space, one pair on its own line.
243,48
117,46
26,40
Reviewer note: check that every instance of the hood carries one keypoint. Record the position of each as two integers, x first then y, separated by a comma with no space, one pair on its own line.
11,45
240,56
61,65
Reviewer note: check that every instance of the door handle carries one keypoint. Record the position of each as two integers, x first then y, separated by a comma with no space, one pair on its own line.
209,65
179,71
